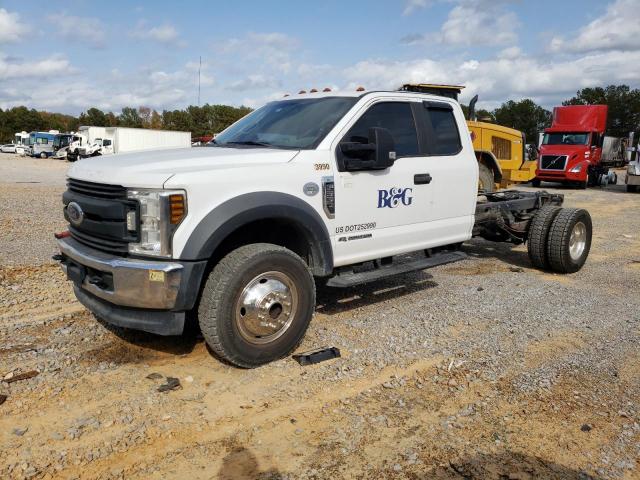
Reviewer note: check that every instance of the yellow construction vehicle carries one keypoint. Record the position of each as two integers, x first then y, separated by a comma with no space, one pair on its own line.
500,150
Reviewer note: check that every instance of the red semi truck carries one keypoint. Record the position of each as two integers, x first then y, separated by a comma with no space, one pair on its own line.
571,150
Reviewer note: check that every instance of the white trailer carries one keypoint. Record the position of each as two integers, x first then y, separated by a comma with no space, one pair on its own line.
114,140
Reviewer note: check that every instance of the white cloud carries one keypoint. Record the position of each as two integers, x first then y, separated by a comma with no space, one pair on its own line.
546,81
165,33
79,29
472,23
617,29
54,65
479,22
254,82
413,5
11,27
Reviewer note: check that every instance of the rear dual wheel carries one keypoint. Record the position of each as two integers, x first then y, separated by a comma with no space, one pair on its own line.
560,239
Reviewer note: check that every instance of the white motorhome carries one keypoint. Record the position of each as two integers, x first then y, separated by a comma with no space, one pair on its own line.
21,140
111,140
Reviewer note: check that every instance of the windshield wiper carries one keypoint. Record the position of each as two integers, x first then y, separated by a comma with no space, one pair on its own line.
250,143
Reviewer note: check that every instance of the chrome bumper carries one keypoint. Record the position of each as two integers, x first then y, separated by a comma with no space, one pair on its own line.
136,283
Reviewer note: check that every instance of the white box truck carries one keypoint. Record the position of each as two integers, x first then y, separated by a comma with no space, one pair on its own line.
113,140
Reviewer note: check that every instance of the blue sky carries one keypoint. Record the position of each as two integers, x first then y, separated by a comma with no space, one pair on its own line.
68,56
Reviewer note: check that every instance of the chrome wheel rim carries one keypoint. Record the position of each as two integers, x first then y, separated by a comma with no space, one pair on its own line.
266,307
578,240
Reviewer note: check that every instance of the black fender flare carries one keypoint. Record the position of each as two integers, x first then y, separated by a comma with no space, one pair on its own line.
227,217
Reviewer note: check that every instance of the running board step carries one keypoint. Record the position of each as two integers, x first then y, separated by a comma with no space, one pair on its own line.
350,279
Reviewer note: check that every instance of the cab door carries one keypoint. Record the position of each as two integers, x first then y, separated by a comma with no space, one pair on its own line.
379,211
425,199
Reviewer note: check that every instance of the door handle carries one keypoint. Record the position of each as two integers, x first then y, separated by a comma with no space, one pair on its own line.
422,178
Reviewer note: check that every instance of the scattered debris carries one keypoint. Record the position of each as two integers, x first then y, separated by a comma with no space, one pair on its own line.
21,376
20,431
480,289
172,384
586,427
154,376
188,379
316,356
3,398
516,269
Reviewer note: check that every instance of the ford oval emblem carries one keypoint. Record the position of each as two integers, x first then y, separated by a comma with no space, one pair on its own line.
310,189
75,213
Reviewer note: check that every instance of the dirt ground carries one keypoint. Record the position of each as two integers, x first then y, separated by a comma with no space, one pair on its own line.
485,368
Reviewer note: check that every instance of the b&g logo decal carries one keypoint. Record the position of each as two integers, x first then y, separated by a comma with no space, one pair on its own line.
394,197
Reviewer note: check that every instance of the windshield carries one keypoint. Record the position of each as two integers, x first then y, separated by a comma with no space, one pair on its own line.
296,124
574,138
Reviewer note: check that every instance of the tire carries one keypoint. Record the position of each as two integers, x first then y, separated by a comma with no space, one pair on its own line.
232,328
485,179
536,182
43,155
538,236
569,240
631,188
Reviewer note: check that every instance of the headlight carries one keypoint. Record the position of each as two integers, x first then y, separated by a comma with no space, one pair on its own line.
161,211
576,169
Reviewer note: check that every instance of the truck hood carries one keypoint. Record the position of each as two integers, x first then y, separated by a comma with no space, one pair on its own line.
151,169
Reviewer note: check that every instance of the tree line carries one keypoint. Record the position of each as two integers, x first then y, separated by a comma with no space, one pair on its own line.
524,115
200,121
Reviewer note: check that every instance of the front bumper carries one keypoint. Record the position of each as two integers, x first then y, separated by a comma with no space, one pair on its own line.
561,176
127,291
632,179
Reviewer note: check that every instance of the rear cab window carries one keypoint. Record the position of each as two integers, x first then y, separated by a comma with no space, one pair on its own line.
441,128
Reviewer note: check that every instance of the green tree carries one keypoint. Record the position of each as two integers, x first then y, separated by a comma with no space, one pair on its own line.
130,118
525,115
94,117
623,103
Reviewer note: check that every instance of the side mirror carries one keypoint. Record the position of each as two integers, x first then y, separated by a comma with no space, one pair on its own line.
378,154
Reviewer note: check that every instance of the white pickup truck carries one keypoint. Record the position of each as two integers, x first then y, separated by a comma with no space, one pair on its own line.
321,187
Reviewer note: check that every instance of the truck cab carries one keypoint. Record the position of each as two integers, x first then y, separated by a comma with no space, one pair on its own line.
571,149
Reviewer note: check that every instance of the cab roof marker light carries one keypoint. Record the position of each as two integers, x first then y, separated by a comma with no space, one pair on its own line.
313,90
360,89
326,89
302,92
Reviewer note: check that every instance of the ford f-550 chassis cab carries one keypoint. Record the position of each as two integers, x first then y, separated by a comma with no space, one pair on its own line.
330,187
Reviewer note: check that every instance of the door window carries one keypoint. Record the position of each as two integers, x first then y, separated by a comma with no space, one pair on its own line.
396,117
443,135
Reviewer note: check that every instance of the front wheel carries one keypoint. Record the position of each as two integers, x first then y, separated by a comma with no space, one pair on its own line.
631,188
256,304
536,183
43,155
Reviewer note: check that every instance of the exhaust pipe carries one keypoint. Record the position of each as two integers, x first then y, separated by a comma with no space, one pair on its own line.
472,108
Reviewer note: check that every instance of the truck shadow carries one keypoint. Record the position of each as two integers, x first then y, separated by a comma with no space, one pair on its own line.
479,248
139,341
333,301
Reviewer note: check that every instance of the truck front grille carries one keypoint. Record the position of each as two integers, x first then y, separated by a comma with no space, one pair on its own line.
104,223
92,189
553,162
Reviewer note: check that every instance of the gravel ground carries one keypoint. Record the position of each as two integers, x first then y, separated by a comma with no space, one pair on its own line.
485,368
